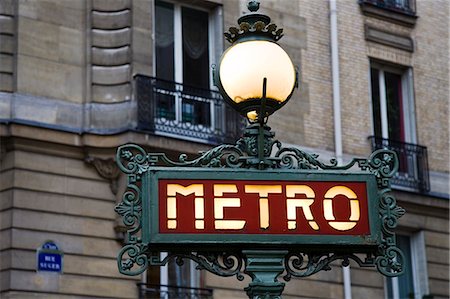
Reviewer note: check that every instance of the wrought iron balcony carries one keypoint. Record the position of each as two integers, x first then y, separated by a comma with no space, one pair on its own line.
148,291
176,110
413,163
402,6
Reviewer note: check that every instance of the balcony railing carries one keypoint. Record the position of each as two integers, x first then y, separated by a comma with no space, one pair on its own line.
402,6
176,110
413,164
147,291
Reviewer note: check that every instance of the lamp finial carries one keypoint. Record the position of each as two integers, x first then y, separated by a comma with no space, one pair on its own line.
253,5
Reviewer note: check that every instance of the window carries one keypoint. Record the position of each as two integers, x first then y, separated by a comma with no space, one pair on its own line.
403,6
185,49
414,283
394,125
392,103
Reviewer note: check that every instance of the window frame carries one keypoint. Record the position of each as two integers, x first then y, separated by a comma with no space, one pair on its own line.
407,99
215,47
419,265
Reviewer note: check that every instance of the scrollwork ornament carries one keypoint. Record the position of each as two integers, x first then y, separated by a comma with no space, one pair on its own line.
306,264
224,264
137,260
390,263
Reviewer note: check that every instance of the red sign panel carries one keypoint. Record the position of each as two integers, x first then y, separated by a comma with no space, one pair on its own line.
262,207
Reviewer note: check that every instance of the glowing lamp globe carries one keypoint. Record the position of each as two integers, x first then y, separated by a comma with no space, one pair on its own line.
255,70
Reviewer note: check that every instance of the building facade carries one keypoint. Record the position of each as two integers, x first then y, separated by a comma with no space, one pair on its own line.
79,78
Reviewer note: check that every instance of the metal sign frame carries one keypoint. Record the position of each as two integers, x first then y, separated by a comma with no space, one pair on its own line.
165,242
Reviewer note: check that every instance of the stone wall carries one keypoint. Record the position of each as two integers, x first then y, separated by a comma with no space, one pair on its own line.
50,193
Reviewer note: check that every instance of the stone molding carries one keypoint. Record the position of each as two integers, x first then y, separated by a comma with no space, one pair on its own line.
403,19
8,45
110,51
107,169
67,116
389,38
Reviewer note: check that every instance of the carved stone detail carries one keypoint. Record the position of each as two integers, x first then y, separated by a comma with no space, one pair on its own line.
107,169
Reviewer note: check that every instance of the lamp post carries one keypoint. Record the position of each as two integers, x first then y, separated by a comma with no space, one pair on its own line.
256,76
181,206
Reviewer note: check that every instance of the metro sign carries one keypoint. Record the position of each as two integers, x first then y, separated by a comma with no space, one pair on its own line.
206,207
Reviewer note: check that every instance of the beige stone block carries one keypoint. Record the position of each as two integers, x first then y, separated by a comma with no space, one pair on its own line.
6,219
141,10
6,63
365,276
117,288
111,38
8,7
71,46
54,164
70,244
439,287
7,179
70,205
230,283
61,184
60,223
280,7
437,239
6,199
5,281
142,42
143,69
7,44
313,288
417,221
113,56
364,292
6,82
43,115
111,5
50,41
7,24
7,161
437,255
111,20
5,260
229,294
50,79
110,74
69,14
5,236
111,94
438,271
23,260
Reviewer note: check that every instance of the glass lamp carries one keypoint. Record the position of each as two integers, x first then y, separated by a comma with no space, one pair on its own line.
255,75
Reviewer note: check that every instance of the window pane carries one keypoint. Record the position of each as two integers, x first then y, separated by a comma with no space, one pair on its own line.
164,40
405,282
375,87
396,127
195,48
196,112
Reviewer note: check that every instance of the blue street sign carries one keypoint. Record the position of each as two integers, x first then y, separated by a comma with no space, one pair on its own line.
49,258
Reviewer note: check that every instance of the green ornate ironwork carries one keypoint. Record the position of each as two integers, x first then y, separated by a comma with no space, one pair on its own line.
134,161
